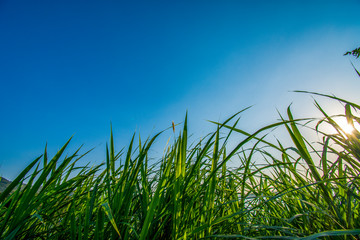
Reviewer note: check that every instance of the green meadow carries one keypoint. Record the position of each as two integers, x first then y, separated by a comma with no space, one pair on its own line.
303,188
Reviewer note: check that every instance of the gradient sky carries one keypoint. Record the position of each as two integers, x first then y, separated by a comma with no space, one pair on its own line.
72,67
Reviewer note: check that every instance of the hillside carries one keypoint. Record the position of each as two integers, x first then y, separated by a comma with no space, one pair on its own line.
4,183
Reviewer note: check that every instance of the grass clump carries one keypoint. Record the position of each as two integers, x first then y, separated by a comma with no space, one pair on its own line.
297,190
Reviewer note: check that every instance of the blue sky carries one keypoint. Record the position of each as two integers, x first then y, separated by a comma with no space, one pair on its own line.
72,67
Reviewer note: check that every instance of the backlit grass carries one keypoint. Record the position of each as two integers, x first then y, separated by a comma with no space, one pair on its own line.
305,189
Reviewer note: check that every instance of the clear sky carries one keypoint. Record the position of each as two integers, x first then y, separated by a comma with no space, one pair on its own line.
72,67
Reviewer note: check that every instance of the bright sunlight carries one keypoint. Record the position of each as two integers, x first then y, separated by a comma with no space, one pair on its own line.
346,127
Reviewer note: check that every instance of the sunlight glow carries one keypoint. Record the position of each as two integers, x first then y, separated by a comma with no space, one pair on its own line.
345,126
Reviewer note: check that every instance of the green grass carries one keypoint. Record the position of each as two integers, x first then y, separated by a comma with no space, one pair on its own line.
283,190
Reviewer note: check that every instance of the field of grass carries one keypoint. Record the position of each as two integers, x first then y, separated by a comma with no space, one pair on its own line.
284,190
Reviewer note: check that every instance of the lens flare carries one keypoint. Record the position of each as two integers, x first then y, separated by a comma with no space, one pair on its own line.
345,126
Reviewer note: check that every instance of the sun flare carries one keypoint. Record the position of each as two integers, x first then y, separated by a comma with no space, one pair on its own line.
345,126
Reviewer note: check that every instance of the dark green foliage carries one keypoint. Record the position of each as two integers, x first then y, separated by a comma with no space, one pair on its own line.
355,53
